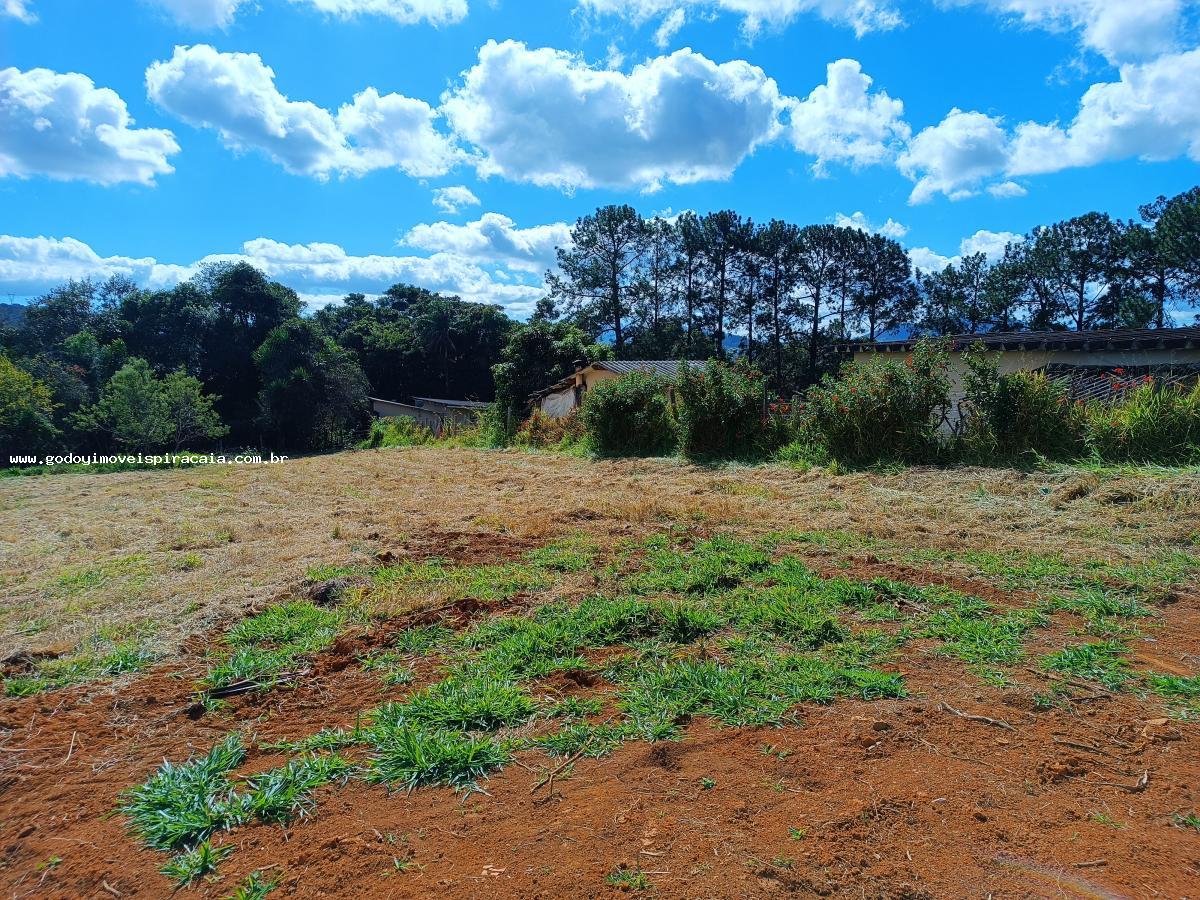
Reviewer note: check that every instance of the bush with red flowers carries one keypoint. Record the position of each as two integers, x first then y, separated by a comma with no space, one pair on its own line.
880,411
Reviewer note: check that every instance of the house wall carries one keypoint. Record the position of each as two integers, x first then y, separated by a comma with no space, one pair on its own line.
426,417
558,404
1008,361
453,416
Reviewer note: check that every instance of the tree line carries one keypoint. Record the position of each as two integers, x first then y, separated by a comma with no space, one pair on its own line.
678,288
229,357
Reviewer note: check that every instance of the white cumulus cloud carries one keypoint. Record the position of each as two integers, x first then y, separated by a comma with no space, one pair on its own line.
841,121
546,117
1150,113
201,13
64,127
1117,29
990,243
891,228
221,13
861,15
235,94
322,271
17,9
494,238
453,199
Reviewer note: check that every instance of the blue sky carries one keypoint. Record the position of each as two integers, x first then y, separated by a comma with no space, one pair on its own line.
143,136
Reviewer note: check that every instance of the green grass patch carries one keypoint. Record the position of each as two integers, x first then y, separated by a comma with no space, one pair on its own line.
1102,662
282,794
584,739
457,704
183,804
201,860
132,570
99,657
571,554
409,757
272,642
255,886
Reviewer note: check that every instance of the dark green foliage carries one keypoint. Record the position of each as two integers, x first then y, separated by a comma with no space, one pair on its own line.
26,412
143,413
535,356
1018,414
1149,424
629,416
721,411
413,342
880,411
397,431
314,395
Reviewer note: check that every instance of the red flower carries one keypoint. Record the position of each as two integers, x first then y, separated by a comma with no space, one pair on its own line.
1119,371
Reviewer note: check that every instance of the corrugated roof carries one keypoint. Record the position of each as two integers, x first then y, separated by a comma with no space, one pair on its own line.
1097,339
463,404
666,367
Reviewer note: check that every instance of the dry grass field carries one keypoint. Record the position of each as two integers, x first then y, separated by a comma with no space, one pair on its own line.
640,676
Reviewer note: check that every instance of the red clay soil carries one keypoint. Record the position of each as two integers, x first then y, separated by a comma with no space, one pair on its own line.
897,798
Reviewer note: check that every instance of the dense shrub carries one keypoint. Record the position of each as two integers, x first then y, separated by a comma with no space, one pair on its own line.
879,411
629,416
1009,416
721,412
397,431
26,411
541,430
1149,424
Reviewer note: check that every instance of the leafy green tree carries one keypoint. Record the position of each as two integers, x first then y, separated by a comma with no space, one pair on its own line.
820,257
413,342
1066,269
190,412
245,307
886,295
26,411
131,410
725,236
314,395
1177,230
600,268
1161,254
958,300
141,412
535,356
